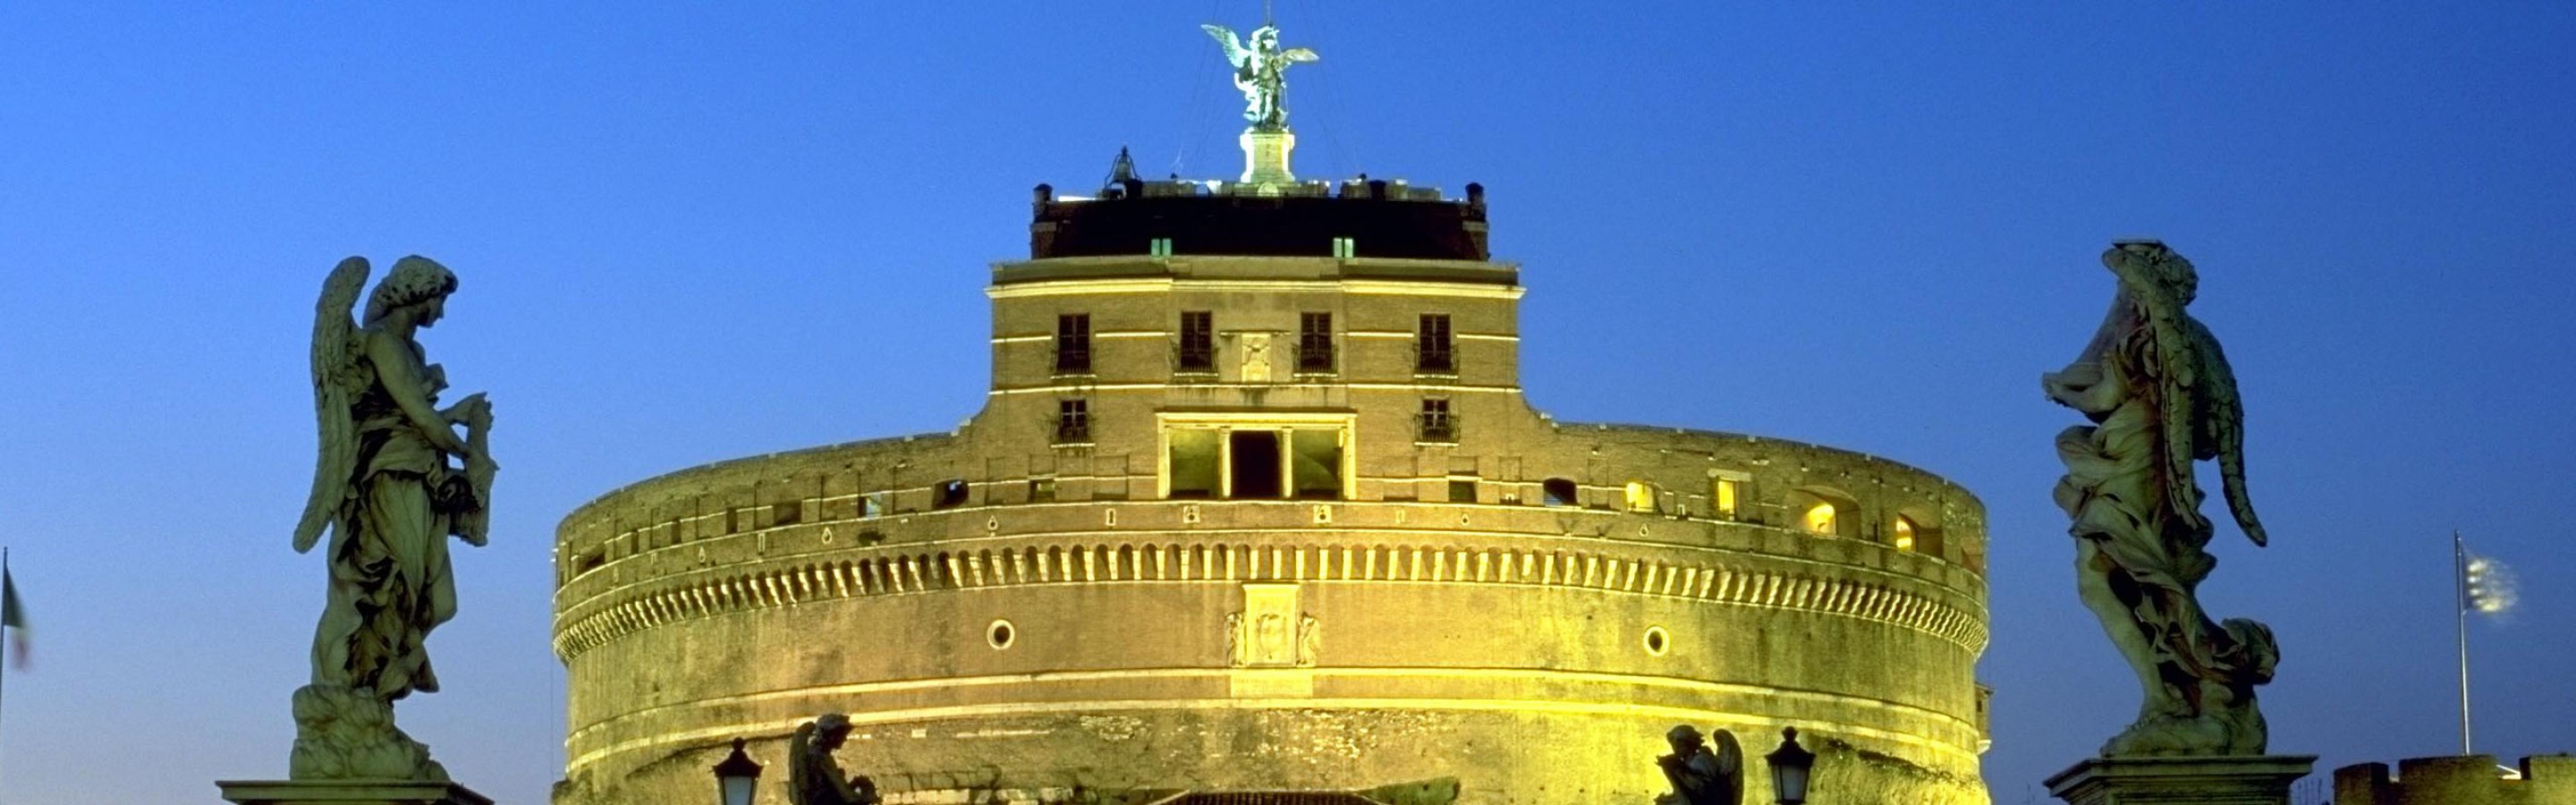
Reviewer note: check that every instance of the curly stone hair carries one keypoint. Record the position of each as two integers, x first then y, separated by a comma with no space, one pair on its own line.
414,280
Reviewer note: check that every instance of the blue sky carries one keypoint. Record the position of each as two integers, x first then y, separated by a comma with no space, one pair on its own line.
695,232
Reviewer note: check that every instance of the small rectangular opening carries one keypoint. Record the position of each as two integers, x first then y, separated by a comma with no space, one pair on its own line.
1462,490
948,494
1256,463
1041,490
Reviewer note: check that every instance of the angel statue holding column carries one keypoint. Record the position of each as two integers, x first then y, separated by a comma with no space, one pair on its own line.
395,479
1260,72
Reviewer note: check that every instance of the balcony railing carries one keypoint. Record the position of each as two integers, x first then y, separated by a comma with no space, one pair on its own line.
1073,360
1436,361
1194,358
1315,357
1437,427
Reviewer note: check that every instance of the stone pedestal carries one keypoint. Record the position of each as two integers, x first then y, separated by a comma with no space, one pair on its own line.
2238,780
348,792
1265,156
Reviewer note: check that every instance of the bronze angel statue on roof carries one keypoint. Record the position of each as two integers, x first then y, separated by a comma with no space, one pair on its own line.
2161,397
1260,72
395,479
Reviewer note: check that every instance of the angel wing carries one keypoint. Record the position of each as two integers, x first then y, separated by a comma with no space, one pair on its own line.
1234,51
333,390
1299,55
2201,415
2172,365
2222,430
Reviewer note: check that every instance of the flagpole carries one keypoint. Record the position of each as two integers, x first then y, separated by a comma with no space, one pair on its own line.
2460,602
4,577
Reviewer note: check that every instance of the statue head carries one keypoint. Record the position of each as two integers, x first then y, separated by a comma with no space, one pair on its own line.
830,729
415,280
1266,38
1684,738
2150,263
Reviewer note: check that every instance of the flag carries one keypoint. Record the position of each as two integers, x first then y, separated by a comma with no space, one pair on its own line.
2488,587
13,617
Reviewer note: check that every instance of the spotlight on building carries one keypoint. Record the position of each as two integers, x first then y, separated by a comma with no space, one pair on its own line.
736,776
1789,765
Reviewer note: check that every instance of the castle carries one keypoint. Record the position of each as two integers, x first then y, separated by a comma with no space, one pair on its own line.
1256,503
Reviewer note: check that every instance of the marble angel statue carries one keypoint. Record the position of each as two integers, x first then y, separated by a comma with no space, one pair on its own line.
1260,72
395,479
2161,397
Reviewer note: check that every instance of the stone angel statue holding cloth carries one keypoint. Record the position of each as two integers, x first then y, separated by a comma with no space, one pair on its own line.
395,479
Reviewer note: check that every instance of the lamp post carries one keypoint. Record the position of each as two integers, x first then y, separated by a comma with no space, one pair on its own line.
1789,765
735,777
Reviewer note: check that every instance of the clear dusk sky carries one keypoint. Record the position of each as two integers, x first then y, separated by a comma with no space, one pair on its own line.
695,232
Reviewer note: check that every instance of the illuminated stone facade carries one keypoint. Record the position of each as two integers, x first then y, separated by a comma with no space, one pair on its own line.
1273,518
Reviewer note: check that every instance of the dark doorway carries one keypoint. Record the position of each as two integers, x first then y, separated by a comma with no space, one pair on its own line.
1256,464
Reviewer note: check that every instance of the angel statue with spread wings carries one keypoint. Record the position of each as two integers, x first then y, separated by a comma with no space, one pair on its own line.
395,480
1260,72
2161,397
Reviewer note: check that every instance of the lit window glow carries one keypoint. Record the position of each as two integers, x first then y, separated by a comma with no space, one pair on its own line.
1820,519
1904,534
1641,496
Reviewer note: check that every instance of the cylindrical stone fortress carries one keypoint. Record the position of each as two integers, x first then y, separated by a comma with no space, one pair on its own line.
1256,503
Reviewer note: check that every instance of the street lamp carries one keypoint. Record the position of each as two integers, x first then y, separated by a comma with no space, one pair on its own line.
735,776
1789,765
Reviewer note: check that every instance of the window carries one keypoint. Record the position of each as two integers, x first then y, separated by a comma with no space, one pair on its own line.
1315,342
948,494
1159,247
1903,534
1462,490
1640,496
1345,248
1041,489
1433,350
1072,421
1073,344
1437,425
1721,498
1558,492
872,506
1198,341
1819,518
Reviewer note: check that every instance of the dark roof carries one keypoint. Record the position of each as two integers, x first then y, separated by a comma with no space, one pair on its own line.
1390,222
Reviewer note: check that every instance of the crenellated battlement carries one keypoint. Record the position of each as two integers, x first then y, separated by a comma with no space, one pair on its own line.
2459,780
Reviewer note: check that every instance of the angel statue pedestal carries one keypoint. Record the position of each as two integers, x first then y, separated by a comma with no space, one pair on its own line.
348,792
394,482
1265,156
2214,780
